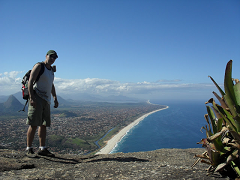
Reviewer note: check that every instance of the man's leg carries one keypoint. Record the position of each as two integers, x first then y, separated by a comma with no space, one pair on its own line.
42,132
30,135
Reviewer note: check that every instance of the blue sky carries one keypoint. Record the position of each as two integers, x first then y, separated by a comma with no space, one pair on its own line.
137,48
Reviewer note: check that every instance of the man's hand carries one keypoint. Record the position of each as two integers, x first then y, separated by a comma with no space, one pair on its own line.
55,103
32,103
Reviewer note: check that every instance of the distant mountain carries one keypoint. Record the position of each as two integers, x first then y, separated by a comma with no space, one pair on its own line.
120,98
62,102
82,97
11,105
19,96
3,99
73,99
97,98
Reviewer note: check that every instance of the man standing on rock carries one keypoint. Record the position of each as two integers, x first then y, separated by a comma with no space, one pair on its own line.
39,103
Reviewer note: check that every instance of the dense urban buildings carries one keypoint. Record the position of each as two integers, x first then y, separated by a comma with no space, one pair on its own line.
75,129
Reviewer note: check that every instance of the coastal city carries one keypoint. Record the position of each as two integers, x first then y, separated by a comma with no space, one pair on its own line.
75,130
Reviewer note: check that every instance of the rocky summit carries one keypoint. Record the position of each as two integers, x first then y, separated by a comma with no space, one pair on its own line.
158,164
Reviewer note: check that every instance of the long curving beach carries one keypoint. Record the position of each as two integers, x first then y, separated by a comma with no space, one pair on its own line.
116,138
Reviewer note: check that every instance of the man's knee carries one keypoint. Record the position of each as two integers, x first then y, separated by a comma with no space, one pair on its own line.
32,128
42,127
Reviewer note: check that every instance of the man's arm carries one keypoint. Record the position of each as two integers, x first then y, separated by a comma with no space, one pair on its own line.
33,76
54,96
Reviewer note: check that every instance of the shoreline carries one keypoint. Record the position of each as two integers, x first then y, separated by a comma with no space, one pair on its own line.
117,137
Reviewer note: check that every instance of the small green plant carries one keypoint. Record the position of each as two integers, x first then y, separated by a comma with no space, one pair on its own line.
222,142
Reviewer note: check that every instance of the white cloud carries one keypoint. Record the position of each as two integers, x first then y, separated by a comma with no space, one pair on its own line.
168,81
10,83
109,87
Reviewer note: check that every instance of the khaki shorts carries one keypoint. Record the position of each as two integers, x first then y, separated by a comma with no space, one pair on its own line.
40,115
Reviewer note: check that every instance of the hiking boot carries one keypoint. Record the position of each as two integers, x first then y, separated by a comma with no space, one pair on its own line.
30,153
45,152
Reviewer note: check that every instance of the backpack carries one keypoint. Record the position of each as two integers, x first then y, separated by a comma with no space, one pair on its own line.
25,79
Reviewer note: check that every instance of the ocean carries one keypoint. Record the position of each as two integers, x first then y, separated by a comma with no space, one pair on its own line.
176,127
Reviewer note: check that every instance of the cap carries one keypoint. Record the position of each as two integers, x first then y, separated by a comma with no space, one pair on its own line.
52,52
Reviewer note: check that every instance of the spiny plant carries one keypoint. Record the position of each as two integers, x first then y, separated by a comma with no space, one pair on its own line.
222,142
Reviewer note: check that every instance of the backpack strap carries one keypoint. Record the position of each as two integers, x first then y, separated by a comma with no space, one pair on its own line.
41,71
24,106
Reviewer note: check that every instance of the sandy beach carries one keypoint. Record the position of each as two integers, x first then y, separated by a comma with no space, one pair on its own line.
116,138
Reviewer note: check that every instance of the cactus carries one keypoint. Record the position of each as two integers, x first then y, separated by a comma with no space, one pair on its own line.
222,142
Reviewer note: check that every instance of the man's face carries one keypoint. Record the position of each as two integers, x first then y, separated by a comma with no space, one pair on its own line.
51,58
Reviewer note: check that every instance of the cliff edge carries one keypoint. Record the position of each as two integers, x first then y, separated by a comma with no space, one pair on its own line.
158,164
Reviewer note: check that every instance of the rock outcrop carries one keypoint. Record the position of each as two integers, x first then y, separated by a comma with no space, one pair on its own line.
158,164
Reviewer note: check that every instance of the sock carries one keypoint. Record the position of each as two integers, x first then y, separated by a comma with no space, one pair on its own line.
28,148
42,147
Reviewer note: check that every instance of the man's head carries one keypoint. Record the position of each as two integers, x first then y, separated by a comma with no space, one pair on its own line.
52,53
51,56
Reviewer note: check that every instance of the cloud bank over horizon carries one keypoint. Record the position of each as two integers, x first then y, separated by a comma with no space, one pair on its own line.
10,83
